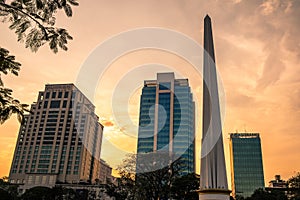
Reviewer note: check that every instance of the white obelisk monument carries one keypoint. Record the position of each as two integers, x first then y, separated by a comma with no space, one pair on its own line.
213,179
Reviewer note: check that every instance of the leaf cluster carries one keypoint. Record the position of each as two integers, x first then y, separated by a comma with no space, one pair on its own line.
8,64
9,105
294,183
261,194
33,22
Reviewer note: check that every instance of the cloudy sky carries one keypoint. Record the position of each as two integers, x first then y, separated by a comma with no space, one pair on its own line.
257,53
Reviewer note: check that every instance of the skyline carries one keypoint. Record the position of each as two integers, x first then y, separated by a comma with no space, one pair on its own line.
262,33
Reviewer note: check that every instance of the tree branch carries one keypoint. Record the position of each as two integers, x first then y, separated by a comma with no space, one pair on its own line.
28,15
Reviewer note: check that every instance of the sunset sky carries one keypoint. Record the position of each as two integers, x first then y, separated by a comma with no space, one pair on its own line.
257,53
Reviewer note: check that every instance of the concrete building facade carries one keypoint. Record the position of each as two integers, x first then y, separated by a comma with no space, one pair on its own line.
60,140
105,173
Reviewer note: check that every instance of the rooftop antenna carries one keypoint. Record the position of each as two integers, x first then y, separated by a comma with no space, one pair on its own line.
245,128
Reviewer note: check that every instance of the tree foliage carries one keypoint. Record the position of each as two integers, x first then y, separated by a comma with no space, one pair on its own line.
156,173
9,105
61,193
5,195
152,176
7,190
294,181
45,193
261,194
37,193
294,184
292,192
125,186
185,187
33,21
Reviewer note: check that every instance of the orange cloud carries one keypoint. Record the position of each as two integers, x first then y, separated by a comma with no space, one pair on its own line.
107,123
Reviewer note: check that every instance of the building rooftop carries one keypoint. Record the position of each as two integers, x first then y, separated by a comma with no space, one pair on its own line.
244,135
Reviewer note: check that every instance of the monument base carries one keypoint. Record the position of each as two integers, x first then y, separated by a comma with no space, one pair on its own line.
214,194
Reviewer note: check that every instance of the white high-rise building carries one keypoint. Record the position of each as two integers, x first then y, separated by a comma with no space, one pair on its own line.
60,140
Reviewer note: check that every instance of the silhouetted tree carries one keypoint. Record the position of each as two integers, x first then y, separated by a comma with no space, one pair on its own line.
294,184
55,193
37,193
33,21
152,177
185,187
61,193
156,173
125,186
8,188
9,105
261,194
4,195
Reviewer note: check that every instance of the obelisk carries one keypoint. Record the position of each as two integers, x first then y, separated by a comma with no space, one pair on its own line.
213,179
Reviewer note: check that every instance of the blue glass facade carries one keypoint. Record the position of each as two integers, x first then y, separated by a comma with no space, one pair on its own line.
146,122
184,125
173,128
246,163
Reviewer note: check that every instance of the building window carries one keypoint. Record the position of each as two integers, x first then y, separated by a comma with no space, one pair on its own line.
45,104
47,95
60,95
165,86
65,103
66,94
53,94
55,104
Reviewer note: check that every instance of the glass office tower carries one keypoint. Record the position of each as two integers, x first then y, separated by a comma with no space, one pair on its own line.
167,119
247,173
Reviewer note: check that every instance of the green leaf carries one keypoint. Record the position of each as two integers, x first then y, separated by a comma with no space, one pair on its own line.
8,63
73,2
24,26
63,2
39,4
68,10
15,24
53,45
